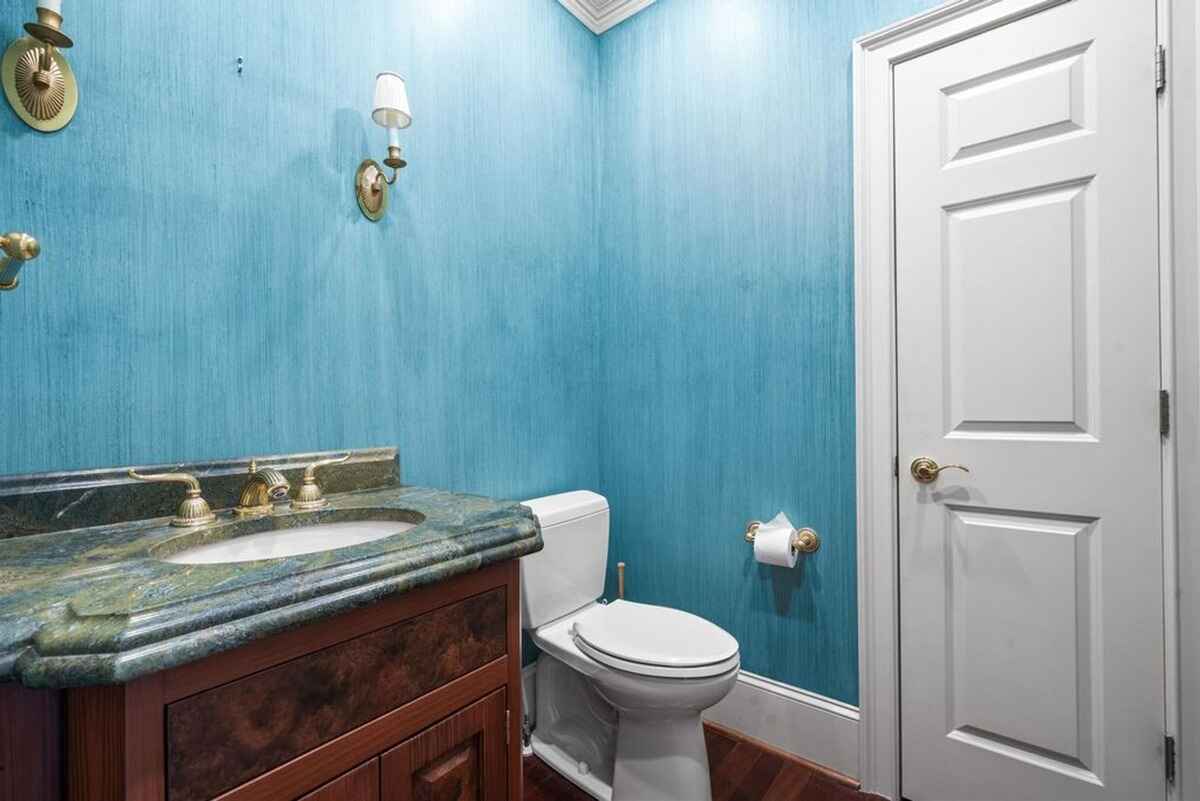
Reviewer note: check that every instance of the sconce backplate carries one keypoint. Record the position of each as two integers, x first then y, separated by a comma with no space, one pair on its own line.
371,189
44,100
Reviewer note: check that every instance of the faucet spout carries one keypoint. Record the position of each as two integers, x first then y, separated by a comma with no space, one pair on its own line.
263,489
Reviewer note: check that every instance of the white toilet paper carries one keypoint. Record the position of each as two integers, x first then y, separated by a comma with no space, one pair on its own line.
773,542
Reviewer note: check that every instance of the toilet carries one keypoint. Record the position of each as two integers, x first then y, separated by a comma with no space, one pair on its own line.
620,686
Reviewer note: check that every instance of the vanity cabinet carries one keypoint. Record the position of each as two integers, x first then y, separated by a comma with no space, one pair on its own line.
416,697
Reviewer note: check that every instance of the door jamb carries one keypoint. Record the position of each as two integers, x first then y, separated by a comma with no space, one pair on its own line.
874,57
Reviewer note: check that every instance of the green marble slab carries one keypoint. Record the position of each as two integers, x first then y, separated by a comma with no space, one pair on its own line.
99,606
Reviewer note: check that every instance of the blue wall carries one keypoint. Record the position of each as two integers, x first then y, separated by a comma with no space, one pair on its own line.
621,263
208,287
726,284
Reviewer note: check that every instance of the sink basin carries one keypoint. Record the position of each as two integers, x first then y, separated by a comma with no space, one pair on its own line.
278,543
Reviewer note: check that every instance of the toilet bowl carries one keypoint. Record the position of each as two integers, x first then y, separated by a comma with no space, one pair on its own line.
620,687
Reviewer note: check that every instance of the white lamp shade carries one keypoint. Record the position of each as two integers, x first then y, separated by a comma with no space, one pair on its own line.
391,101
51,5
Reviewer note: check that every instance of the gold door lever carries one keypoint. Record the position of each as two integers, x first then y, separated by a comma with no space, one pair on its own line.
926,471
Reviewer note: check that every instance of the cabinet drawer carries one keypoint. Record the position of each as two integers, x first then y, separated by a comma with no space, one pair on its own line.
220,738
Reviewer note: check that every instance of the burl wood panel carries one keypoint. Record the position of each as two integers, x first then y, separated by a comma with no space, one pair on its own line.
462,758
31,744
360,784
223,737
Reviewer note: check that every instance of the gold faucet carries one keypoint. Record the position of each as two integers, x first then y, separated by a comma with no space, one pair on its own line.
261,491
310,497
193,509
15,250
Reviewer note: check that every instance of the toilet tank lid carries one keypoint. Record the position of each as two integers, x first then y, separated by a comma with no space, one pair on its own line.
554,509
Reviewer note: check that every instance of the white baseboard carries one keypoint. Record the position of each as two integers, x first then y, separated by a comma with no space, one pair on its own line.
811,726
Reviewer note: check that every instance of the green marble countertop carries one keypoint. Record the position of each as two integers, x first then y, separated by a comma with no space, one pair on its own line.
96,606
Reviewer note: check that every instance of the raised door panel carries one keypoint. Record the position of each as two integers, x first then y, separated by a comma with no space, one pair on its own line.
360,784
460,759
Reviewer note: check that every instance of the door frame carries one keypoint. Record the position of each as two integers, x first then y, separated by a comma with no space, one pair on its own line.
874,57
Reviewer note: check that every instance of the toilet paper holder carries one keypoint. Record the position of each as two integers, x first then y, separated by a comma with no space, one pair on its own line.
804,540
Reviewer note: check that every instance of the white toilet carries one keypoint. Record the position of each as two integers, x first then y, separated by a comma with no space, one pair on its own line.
620,686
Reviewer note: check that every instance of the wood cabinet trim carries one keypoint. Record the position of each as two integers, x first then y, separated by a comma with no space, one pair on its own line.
335,757
483,720
360,784
276,649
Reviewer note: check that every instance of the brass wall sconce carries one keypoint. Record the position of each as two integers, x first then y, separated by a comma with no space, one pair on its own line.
15,250
38,81
391,112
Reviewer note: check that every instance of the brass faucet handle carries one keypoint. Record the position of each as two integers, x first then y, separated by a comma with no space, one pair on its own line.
310,497
193,509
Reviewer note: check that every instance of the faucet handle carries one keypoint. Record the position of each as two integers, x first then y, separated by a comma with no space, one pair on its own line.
193,509
310,497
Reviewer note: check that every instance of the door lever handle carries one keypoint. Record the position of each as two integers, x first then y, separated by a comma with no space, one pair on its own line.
926,470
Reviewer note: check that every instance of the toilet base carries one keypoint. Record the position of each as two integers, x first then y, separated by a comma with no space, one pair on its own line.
566,766
661,759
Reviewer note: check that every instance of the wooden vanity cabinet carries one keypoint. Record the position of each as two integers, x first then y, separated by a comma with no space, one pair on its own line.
416,697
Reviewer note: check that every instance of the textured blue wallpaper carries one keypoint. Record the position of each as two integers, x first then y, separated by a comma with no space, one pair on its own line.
621,263
726,317
208,287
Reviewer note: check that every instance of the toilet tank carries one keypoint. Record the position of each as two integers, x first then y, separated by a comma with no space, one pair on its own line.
568,573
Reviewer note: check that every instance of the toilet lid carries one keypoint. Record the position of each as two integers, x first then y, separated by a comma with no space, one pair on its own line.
655,640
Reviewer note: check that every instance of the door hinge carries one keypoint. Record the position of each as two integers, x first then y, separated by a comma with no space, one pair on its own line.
1169,753
896,466
1164,413
507,728
1160,68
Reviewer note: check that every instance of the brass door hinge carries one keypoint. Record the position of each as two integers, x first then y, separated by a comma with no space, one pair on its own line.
507,720
1169,754
1160,69
1164,413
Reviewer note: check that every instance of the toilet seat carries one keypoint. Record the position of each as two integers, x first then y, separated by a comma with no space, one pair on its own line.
655,641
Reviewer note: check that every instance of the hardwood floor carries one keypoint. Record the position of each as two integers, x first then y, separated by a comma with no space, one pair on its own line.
741,771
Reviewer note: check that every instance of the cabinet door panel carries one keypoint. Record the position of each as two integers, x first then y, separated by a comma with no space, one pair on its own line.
460,759
360,784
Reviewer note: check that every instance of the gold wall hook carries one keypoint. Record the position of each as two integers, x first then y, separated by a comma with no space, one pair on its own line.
310,497
15,250
193,509
804,540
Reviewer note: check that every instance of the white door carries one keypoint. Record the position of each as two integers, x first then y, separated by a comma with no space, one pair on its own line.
1028,351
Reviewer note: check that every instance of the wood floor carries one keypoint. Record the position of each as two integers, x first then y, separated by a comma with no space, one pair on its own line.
741,771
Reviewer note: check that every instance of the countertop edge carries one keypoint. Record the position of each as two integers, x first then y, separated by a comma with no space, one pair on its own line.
64,671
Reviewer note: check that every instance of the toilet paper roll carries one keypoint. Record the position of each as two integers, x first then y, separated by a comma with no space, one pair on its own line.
773,542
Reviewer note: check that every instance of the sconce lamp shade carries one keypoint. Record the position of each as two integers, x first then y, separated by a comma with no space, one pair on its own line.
391,101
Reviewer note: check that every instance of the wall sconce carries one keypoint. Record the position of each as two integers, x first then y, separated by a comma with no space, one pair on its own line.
38,81
391,112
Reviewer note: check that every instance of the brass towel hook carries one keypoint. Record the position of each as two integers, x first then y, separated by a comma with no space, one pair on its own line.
15,250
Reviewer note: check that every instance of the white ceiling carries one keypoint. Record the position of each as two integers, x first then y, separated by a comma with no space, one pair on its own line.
600,15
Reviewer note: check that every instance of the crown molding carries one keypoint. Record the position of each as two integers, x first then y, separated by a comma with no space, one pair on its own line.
600,15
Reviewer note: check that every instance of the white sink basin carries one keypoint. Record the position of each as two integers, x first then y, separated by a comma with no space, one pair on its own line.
289,542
